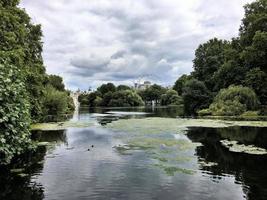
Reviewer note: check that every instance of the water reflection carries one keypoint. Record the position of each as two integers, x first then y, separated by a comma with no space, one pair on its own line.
81,163
249,170
15,186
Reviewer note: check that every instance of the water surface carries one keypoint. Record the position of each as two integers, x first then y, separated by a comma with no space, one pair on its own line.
149,161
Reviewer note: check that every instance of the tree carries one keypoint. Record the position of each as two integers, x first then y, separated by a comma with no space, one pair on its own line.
152,93
257,80
105,88
171,97
14,114
125,98
196,96
179,84
21,46
255,55
209,57
56,82
123,87
235,100
55,101
255,19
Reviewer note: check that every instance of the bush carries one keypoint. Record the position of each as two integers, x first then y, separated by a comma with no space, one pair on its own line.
227,108
171,97
14,114
250,114
235,100
204,112
55,102
125,98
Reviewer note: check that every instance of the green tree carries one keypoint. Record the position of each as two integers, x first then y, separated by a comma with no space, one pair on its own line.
171,97
235,100
257,80
196,96
56,82
179,84
209,57
14,114
20,45
55,102
255,19
152,93
123,87
125,98
105,88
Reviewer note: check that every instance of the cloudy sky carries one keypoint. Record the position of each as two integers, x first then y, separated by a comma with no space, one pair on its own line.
90,42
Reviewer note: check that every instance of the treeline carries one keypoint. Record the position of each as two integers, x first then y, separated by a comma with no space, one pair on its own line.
27,93
108,95
230,77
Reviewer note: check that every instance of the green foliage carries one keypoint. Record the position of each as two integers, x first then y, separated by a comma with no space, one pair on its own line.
255,20
105,88
21,46
250,114
152,93
119,98
208,59
23,91
196,96
14,114
241,61
83,99
6,3
56,82
234,100
179,84
123,87
171,97
125,98
257,79
55,102
227,108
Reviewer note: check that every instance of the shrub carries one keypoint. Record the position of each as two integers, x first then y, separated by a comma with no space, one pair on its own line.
14,114
227,108
55,102
125,98
204,112
235,100
171,97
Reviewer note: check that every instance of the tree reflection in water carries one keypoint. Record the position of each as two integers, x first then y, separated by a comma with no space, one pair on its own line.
14,186
249,170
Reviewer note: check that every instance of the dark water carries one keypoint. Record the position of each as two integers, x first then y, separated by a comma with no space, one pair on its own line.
67,170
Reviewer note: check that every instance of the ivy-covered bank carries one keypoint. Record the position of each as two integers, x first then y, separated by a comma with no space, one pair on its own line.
27,93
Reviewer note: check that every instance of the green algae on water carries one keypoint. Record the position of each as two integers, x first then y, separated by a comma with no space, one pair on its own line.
234,146
62,125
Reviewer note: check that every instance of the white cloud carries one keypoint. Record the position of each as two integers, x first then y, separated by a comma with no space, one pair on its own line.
90,42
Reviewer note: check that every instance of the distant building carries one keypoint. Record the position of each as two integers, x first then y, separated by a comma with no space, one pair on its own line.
142,86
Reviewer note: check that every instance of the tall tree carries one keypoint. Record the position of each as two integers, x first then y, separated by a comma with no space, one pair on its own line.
20,45
196,96
209,57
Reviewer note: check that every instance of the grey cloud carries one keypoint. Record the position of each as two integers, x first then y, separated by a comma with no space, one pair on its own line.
90,42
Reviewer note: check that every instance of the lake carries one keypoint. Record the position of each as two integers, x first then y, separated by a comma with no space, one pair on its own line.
142,153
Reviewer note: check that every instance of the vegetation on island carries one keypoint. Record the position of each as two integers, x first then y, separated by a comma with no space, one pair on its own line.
108,95
27,93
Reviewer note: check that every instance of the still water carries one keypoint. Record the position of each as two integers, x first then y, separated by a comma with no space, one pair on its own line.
93,163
